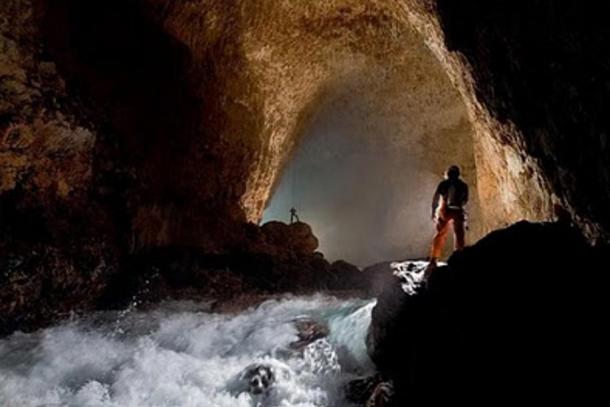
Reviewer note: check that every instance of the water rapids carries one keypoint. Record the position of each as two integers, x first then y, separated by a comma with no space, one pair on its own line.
181,354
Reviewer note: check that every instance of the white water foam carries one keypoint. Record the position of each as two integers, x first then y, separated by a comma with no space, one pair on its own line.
412,274
181,355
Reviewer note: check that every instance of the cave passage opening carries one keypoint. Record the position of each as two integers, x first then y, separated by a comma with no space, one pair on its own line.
368,162
353,125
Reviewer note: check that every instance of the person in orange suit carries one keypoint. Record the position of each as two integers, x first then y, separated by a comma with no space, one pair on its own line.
448,204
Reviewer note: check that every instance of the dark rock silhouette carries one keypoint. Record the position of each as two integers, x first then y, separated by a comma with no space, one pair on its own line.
373,391
295,238
275,258
382,396
518,315
345,274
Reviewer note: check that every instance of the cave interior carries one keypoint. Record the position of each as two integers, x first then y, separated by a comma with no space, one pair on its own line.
157,147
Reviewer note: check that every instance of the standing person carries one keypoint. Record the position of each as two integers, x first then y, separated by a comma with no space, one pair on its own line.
293,216
448,210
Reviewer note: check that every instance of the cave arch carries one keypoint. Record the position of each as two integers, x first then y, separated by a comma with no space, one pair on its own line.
190,150
254,74
370,157
262,68
510,182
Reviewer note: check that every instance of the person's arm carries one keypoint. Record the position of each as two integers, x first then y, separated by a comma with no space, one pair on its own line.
435,199
465,193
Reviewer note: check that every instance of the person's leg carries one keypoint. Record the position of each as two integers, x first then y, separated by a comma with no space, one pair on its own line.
458,232
438,242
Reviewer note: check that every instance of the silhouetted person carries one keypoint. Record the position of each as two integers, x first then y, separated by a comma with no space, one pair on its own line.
293,216
448,210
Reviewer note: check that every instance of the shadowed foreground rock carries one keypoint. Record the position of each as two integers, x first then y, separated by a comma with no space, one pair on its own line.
371,391
42,282
517,316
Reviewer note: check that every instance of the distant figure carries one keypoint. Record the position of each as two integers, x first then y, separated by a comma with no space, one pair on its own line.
448,209
293,216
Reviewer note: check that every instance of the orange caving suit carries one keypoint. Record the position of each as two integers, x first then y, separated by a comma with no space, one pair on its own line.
448,208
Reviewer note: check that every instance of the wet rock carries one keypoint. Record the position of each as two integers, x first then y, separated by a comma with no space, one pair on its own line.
233,280
370,281
345,275
510,315
378,276
255,379
359,391
373,391
259,378
185,273
44,282
308,331
382,396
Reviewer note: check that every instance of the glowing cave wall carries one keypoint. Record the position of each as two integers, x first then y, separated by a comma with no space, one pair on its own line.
369,161
225,92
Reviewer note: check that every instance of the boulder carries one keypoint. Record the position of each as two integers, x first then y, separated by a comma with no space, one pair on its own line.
255,379
346,275
372,391
377,277
296,238
518,314
308,331
382,396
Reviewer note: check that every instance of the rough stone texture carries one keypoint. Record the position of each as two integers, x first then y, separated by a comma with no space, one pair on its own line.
43,281
59,241
512,315
45,146
136,74
371,391
287,56
533,77
131,124
275,259
308,331
295,237
370,158
222,92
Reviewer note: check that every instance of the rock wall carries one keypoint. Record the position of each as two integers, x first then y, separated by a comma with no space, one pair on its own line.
47,144
59,238
289,54
288,58
128,125
533,76
208,100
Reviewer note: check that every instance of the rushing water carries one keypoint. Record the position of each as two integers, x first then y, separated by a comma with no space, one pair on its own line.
180,354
